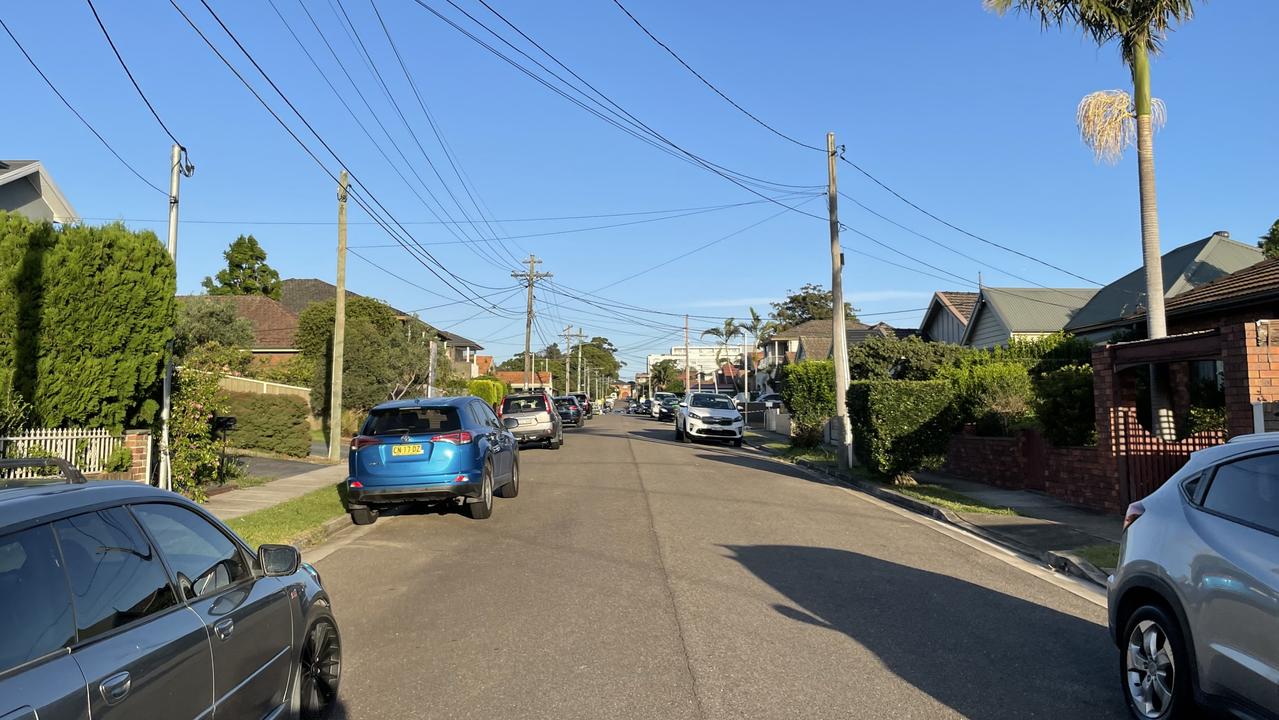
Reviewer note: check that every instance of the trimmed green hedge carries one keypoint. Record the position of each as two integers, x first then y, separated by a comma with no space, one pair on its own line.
1064,404
808,389
901,425
490,390
275,423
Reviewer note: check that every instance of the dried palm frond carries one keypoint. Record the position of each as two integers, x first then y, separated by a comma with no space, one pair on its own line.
1107,122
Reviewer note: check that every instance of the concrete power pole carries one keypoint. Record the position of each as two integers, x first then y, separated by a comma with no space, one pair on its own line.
430,373
177,168
568,355
531,277
840,335
580,335
688,362
339,331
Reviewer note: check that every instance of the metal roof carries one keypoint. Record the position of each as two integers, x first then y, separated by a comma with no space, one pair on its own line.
1184,268
1030,310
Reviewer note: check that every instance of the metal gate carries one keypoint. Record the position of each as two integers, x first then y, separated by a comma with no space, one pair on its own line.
1146,462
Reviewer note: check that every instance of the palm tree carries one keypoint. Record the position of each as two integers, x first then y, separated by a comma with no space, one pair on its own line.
661,375
725,333
753,329
1109,121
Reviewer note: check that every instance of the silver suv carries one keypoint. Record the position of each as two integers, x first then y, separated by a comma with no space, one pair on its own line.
1194,603
536,416
118,600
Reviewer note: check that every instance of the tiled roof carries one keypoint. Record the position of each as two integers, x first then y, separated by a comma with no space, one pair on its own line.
1258,282
1184,269
961,303
274,326
815,348
516,377
484,363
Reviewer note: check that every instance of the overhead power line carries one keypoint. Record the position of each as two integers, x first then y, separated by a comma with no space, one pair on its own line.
711,85
75,112
128,72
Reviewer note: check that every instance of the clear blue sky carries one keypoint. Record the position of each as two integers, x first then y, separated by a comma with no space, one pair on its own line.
969,114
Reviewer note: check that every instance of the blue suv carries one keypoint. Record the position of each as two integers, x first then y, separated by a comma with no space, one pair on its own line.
432,450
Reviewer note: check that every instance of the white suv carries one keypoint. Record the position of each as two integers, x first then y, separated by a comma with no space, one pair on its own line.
708,415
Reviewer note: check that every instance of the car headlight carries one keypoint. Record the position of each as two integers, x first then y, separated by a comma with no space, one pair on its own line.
737,418
695,416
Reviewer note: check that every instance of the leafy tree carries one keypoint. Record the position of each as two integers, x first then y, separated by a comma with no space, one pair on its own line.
87,324
1269,243
662,374
379,358
811,302
890,358
202,321
514,363
246,271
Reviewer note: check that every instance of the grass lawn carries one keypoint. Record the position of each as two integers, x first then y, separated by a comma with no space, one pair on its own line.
1105,557
789,452
951,500
294,522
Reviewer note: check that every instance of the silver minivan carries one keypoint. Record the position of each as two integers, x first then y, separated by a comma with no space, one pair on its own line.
1194,602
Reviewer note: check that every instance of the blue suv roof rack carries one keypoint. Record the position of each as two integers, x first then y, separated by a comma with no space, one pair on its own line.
70,475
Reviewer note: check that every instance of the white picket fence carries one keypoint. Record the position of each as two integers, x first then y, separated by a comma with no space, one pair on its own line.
87,450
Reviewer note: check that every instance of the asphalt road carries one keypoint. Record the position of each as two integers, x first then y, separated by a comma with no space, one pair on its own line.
635,577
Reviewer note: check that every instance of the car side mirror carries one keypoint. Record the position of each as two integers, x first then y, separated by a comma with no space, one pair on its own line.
510,423
683,405
279,560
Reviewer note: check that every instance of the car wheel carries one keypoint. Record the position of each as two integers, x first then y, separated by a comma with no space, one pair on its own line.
684,436
319,672
555,442
736,443
482,508
363,516
679,434
1154,666
512,488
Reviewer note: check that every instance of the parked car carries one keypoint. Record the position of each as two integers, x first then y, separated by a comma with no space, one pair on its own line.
570,412
1194,601
708,415
120,600
438,450
770,400
584,402
646,407
537,419
667,407
655,406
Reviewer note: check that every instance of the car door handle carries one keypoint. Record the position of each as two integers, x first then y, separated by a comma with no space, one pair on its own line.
115,688
224,628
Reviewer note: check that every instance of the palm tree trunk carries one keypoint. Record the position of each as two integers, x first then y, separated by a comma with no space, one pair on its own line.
1156,321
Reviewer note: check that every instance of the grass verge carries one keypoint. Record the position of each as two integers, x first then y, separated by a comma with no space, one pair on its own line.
293,522
950,500
1104,557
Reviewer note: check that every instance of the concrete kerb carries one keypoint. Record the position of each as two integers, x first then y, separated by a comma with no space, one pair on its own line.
1060,560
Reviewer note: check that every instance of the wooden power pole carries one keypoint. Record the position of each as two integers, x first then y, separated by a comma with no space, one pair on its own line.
688,362
568,355
839,333
531,277
339,331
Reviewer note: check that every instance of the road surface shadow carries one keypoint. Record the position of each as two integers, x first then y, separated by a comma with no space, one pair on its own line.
763,465
982,653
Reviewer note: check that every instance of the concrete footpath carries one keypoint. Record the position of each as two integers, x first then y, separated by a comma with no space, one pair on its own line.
1044,527
235,503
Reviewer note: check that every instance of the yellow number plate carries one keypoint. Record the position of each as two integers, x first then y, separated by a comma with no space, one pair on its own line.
406,449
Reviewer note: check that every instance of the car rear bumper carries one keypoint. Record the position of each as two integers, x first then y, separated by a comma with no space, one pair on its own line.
430,489
537,434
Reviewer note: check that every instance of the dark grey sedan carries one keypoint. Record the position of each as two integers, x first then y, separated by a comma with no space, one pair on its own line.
118,600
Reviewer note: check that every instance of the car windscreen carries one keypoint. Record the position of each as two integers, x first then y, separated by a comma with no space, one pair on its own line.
413,421
669,401
712,402
565,403
523,403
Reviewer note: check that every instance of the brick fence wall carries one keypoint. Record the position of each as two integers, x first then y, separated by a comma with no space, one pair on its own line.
139,444
1077,475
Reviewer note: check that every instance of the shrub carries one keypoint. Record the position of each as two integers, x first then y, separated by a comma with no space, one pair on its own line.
1200,419
14,411
1043,354
901,425
297,370
1064,405
490,390
995,394
192,448
808,389
885,358
120,460
275,423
